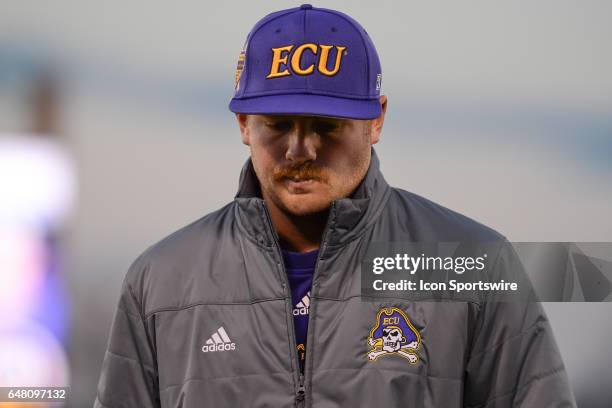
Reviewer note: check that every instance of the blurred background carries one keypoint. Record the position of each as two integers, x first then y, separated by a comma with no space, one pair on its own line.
114,132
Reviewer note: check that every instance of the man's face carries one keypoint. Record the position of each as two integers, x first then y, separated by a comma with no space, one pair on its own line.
303,163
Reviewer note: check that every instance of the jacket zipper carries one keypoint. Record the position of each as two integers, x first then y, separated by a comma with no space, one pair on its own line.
300,394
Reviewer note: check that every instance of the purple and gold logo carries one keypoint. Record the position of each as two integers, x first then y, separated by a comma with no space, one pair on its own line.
287,60
394,334
239,69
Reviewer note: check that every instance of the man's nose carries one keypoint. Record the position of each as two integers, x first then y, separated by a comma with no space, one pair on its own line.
302,144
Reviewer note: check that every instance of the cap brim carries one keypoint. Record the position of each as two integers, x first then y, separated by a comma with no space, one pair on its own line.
308,104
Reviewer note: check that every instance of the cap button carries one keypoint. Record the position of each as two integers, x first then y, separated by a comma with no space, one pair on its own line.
306,6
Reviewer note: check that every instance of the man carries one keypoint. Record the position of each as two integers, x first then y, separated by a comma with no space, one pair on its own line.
259,303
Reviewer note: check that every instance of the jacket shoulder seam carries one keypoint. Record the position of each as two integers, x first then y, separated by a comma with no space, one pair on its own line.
131,359
387,297
191,305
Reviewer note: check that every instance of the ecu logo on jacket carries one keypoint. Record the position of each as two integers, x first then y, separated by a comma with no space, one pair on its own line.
394,334
287,60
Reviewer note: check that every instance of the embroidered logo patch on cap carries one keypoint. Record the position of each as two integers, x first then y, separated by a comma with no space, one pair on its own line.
283,59
239,69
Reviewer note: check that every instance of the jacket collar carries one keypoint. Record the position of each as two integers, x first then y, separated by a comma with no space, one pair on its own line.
349,217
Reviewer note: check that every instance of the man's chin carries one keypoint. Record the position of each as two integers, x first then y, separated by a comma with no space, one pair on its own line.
301,205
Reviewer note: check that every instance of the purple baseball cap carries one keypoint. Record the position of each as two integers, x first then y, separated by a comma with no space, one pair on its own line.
308,61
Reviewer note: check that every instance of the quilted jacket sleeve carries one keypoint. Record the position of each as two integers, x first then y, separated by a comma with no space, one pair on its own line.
129,371
514,360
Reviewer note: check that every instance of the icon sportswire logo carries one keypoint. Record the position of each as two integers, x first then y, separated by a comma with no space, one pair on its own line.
302,307
219,341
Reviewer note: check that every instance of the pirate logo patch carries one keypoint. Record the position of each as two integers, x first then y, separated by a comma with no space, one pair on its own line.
393,334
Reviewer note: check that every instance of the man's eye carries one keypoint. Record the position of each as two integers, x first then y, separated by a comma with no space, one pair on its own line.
279,126
325,127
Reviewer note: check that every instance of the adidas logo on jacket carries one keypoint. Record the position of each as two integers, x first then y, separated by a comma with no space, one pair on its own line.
219,341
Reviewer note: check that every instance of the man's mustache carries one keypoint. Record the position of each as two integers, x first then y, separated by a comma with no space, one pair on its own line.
305,171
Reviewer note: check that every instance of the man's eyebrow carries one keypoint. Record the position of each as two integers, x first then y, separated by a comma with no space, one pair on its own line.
336,122
278,117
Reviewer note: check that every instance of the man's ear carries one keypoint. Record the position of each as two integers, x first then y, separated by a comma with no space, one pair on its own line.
377,124
242,120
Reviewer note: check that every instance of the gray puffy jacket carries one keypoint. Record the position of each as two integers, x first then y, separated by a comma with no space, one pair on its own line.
205,319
